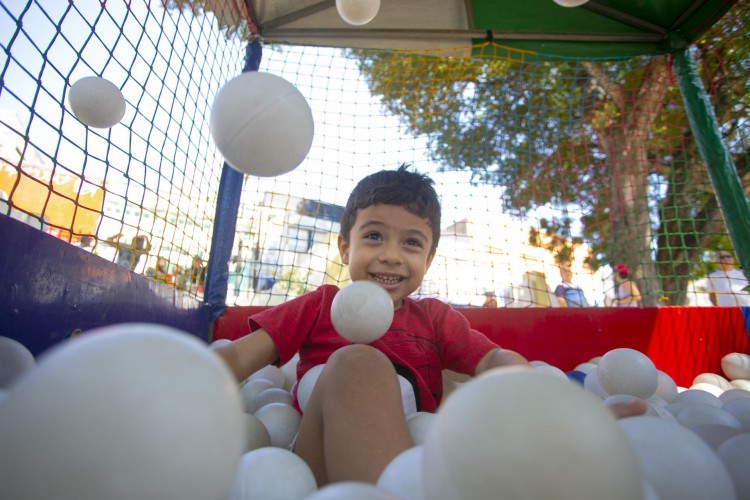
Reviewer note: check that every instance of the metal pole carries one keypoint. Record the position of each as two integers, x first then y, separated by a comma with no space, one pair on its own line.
721,169
225,223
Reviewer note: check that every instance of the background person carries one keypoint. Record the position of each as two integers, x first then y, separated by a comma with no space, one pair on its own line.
568,294
626,291
726,285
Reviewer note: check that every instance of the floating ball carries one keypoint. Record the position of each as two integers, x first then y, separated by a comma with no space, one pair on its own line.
15,360
362,312
261,124
358,12
131,411
627,371
96,102
534,436
272,473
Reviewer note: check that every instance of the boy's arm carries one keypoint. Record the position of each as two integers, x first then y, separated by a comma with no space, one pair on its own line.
248,354
498,358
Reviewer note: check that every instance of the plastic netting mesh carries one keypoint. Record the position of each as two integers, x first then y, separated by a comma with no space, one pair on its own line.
543,163
144,189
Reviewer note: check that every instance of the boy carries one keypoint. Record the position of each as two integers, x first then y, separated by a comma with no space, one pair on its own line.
354,423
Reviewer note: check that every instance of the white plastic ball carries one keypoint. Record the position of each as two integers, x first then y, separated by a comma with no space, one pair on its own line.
289,369
732,394
552,371
282,422
693,416
306,386
591,384
362,312
709,388
419,426
350,490
252,388
261,124
268,396
585,367
627,371
256,434
269,372
712,378
739,409
736,365
677,462
358,12
15,360
527,435
698,397
735,453
571,3
272,474
132,411
403,475
666,388
715,434
96,102
740,383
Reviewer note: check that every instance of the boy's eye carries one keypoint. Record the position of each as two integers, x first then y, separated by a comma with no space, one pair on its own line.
372,236
413,242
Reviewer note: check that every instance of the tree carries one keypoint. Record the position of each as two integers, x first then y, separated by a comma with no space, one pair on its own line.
606,140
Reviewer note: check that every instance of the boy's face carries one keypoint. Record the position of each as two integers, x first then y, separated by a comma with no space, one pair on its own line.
390,246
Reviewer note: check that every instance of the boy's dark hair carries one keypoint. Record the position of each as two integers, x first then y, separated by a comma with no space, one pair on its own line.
411,190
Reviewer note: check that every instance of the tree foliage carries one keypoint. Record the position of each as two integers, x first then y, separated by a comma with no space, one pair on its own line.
606,140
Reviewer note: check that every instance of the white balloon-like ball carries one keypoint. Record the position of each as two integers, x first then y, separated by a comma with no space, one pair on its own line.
527,435
15,360
676,461
358,12
130,411
736,365
262,124
627,371
362,312
96,102
272,473
571,3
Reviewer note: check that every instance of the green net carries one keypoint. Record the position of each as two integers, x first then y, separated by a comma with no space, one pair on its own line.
544,164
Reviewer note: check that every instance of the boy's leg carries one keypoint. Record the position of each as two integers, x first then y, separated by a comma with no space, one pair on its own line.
354,423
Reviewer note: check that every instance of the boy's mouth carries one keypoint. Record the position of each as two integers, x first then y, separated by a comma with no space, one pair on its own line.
386,279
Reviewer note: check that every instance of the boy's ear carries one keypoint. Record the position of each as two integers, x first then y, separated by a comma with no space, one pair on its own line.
344,250
429,261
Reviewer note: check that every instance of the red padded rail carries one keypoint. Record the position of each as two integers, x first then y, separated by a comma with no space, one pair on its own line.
681,341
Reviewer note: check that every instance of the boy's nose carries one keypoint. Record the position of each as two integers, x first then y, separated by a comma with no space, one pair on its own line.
391,254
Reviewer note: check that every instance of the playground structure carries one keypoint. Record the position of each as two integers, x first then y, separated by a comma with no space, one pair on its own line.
160,174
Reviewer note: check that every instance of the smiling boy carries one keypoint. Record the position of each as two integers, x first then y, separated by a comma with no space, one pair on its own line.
354,423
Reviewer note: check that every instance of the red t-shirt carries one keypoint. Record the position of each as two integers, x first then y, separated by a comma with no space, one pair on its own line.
425,337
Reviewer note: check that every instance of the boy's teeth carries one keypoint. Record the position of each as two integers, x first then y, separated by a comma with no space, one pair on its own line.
386,279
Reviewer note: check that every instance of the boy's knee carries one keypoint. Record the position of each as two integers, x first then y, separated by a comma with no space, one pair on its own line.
359,358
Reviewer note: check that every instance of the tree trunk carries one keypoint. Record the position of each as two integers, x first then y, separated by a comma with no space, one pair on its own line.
624,140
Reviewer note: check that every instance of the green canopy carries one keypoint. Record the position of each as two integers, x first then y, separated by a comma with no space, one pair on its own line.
598,28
